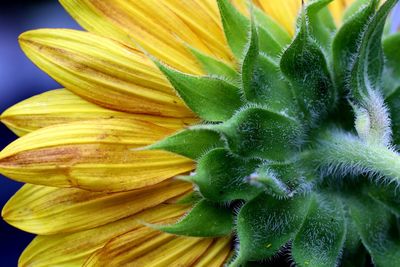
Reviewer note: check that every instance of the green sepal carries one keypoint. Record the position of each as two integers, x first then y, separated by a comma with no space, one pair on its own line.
391,73
366,70
262,82
222,176
393,102
236,27
346,42
282,179
213,99
321,23
322,234
215,67
354,253
378,230
265,224
274,29
271,184
388,196
258,132
192,143
353,9
191,198
305,66
206,219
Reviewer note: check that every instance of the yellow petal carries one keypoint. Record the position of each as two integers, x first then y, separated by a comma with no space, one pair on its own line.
337,9
161,27
217,254
148,247
94,155
283,11
241,5
61,106
50,210
103,71
73,249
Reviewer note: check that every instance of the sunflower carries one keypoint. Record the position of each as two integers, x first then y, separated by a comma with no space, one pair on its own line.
210,132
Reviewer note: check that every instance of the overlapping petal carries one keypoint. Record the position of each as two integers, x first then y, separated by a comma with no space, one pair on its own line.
100,155
103,71
163,28
285,12
50,210
73,249
148,247
62,106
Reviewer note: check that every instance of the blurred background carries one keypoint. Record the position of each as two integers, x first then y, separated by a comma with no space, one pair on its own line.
20,79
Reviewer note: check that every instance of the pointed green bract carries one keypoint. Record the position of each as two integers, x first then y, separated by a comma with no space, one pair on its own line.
346,43
192,143
393,102
305,66
354,253
222,176
377,228
262,82
206,219
391,82
236,27
214,66
274,30
322,234
321,24
257,132
391,73
366,70
282,179
212,99
191,198
265,224
388,196
354,8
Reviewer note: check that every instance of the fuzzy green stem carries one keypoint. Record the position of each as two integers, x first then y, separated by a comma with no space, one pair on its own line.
348,154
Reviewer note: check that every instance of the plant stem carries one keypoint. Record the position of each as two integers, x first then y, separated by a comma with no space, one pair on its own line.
348,154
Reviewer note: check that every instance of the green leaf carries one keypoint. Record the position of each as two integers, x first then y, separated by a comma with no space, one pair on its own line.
192,143
206,219
274,29
222,176
321,237
214,66
321,23
212,99
304,65
257,132
391,73
262,81
236,27
346,42
366,71
265,224
378,230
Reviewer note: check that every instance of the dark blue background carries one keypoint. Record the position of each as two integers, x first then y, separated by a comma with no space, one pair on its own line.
20,79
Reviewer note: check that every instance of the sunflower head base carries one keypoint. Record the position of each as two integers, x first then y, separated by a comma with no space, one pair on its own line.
273,158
